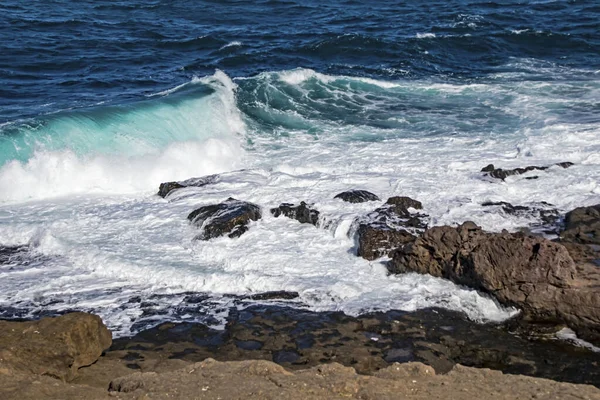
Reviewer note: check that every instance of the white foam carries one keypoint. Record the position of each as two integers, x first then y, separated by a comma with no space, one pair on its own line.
235,43
427,35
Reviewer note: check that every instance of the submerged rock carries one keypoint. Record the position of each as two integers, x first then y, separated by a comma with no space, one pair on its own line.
389,227
356,196
167,187
546,215
502,174
228,218
54,346
532,273
301,213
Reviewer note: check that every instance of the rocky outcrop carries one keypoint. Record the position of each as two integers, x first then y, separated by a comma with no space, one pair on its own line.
229,218
54,346
301,213
502,174
532,273
356,196
582,225
167,187
388,227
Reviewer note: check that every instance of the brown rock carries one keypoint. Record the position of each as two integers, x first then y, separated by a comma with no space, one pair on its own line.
211,379
582,225
54,346
531,273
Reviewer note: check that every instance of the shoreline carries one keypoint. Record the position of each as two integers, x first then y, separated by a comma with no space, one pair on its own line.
319,356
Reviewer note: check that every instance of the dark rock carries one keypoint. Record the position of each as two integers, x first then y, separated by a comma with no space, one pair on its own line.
388,227
582,225
502,174
532,273
565,164
376,240
228,218
165,188
301,213
54,346
401,204
275,295
546,214
357,196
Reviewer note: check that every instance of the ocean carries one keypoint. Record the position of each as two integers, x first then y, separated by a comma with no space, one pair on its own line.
288,101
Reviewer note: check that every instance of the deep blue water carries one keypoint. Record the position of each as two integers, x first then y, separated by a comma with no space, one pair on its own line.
57,54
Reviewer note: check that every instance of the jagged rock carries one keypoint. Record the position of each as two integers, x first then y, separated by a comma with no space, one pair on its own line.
532,273
500,173
167,187
54,346
357,196
582,225
301,213
375,240
388,227
228,218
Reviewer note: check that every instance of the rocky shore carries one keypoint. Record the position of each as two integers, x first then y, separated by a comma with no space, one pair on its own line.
71,357
548,271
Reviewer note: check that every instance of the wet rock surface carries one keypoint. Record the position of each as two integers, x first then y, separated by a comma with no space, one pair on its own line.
302,213
532,273
56,347
582,225
229,218
502,174
299,339
357,196
546,215
167,187
388,227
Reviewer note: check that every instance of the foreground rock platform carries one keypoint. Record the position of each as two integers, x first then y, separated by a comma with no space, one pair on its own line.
257,379
284,353
211,379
